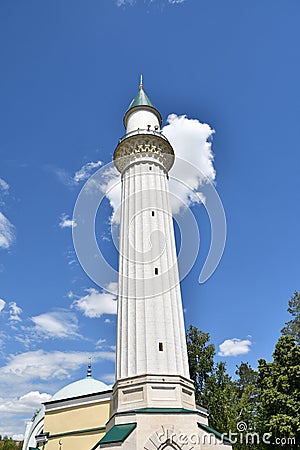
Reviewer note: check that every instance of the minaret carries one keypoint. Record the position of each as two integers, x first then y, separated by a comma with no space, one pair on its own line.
153,391
151,334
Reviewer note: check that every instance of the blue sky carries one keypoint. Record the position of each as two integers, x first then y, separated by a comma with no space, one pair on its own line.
68,73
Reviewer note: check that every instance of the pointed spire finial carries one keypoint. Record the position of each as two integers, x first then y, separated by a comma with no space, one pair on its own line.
141,81
89,370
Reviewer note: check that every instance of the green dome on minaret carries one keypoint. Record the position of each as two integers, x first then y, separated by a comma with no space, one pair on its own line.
141,99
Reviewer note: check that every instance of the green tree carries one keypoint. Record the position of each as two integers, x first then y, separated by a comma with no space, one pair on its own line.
292,327
214,388
246,406
220,399
8,444
279,394
246,393
201,360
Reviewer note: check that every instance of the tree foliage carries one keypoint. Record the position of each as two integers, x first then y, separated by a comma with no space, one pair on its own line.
9,444
246,395
201,360
267,400
214,388
219,397
279,392
292,327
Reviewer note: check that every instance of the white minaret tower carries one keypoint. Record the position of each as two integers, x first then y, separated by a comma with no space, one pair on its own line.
153,395
151,334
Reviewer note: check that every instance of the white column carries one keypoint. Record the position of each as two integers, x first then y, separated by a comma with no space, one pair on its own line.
147,319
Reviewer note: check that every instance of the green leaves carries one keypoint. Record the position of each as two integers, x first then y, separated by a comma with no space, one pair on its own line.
201,360
220,396
279,391
9,444
292,328
267,400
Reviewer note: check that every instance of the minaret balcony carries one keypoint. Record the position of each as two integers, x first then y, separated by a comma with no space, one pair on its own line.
142,144
143,131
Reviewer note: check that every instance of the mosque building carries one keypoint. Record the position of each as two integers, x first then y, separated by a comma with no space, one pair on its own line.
74,418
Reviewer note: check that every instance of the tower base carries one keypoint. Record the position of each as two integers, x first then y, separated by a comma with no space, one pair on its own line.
157,412
153,391
161,428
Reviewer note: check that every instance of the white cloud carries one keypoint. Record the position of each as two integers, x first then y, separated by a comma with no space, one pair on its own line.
2,304
193,159
124,2
234,347
27,403
4,188
3,185
112,287
108,184
81,175
25,339
7,232
96,303
15,311
86,170
44,365
100,342
66,222
71,256
57,324
107,321
18,437
112,190
109,378
63,176
72,261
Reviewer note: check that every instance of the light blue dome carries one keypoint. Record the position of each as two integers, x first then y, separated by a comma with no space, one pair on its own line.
85,386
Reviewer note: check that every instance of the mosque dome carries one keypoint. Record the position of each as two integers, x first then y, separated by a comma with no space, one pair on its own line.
85,386
80,388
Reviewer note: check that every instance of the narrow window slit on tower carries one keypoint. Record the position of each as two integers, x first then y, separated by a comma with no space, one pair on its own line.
156,270
150,167
160,347
152,213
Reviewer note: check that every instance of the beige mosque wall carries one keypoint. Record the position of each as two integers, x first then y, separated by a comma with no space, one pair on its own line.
77,427
77,417
75,442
